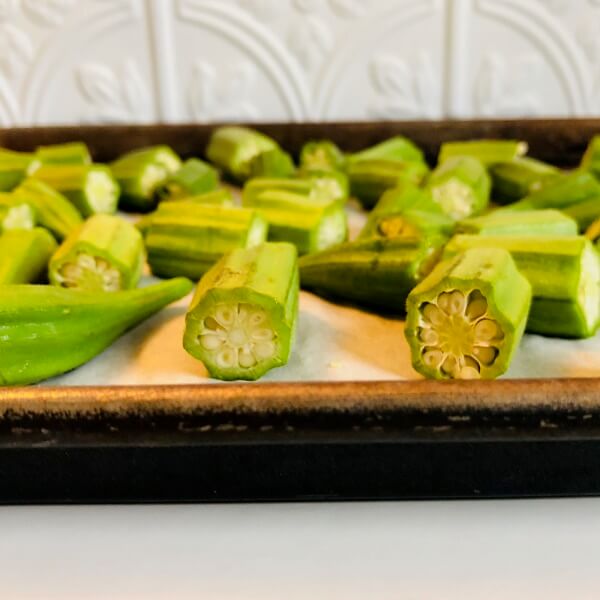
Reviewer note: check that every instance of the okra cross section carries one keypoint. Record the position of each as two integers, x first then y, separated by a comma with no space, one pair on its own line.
242,319
466,318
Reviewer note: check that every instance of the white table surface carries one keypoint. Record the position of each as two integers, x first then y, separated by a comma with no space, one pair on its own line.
486,550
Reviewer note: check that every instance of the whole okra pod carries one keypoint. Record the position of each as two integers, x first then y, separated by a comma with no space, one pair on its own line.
24,256
193,177
487,151
71,153
243,316
105,254
15,213
515,179
466,318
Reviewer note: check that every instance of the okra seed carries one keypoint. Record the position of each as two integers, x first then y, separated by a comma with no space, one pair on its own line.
486,330
469,373
246,359
485,354
227,357
210,341
476,305
211,323
470,362
450,365
432,314
429,336
432,357
262,334
224,316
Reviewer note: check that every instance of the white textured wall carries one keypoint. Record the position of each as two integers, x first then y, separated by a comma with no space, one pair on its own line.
71,61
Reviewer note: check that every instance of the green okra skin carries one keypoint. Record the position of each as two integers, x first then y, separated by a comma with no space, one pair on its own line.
414,223
24,256
15,167
194,177
376,273
242,319
232,148
15,213
460,186
309,188
466,318
52,210
90,188
529,222
398,148
322,155
105,254
564,273
141,173
48,330
328,184
369,179
515,179
187,238
591,158
487,151
220,197
272,163
584,213
71,153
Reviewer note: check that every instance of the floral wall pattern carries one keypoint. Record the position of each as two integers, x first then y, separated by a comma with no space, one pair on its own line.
101,61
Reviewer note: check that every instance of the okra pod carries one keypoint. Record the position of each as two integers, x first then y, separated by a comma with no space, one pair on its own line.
322,155
328,184
564,273
460,186
186,238
310,189
24,256
272,163
515,179
15,167
52,210
242,319
591,158
529,222
71,153
466,318
584,213
194,177
592,233
375,272
105,254
48,330
487,151
398,148
90,188
220,197
232,148
15,213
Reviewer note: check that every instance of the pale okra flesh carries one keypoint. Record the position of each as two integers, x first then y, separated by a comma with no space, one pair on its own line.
242,319
15,213
466,318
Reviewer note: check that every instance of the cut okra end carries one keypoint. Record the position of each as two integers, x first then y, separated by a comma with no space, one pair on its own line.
88,272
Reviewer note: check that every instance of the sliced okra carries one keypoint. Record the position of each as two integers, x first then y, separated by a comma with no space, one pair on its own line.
322,155
584,213
309,188
105,254
397,148
328,184
194,177
71,153
466,318
15,167
272,163
15,213
515,179
591,158
242,319
487,151
24,256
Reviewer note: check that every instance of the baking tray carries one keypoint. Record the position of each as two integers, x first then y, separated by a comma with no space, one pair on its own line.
304,441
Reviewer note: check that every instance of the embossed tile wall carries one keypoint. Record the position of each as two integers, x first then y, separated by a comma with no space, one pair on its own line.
71,61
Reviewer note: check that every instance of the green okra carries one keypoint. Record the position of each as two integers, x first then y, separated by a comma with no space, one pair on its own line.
52,210
592,233
105,254
321,155
194,177
328,184
15,213
466,318
584,213
220,197
24,256
311,189
375,272
487,151
369,179
187,238
232,148
460,186
47,330
398,148
311,225
141,173
90,188
564,273
242,320
515,179
272,163
528,222
71,153
15,167
591,158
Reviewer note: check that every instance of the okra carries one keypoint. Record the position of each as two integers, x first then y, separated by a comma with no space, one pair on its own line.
529,222
466,318
487,151
564,273
322,155
52,210
397,148
220,197
141,172
90,188
584,213
369,179
15,213
311,225
15,167
460,186
272,163
71,153
515,179
194,177
375,272
592,233
232,148
242,320
328,184
48,330
186,238
105,254
24,256
310,189
591,158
